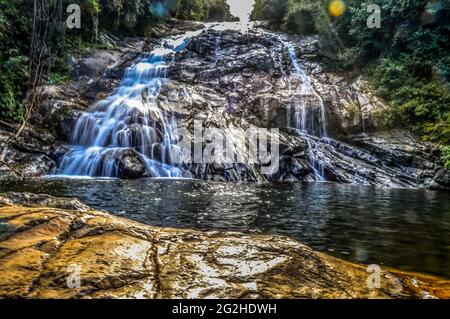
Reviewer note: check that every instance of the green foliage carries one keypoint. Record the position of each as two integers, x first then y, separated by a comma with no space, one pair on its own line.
272,10
202,10
57,78
408,59
95,6
446,156
189,10
14,63
299,19
15,73
294,16
421,104
217,10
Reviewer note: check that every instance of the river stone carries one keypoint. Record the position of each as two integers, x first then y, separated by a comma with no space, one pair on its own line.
131,165
36,200
119,258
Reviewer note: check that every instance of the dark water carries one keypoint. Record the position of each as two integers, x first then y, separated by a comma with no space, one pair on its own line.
405,229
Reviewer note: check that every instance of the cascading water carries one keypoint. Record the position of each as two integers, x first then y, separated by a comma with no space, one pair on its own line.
305,112
129,120
310,100
217,49
132,120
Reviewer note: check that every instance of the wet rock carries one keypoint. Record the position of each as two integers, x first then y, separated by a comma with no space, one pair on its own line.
131,165
29,155
40,200
95,63
118,258
443,177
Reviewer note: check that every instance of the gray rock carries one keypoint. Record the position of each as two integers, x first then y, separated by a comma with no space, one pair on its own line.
131,165
443,177
95,63
36,200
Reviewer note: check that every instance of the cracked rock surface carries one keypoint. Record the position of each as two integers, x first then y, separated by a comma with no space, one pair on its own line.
60,249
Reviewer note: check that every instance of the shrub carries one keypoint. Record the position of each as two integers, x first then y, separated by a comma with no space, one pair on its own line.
14,63
446,156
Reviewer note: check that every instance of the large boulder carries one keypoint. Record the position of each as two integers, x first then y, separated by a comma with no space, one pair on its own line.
131,165
95,63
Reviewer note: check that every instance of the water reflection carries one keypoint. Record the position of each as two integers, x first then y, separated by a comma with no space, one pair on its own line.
406,229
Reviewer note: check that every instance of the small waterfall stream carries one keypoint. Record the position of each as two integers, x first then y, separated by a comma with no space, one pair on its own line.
310,125
310,100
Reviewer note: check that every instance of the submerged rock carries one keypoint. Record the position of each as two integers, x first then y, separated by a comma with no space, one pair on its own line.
69,252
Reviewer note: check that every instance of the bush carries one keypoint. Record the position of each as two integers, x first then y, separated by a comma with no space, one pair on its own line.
14,63
299,20
416,102
293,16
446,156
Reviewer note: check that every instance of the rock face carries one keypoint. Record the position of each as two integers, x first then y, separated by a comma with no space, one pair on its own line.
30,155
65,251
227,79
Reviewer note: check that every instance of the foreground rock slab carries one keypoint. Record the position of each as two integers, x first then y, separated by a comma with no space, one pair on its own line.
70,251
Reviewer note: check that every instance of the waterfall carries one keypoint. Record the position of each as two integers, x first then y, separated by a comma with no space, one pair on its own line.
130,119
305,110
217,49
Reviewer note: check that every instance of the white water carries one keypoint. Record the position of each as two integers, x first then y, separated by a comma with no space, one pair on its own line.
305,111
310,100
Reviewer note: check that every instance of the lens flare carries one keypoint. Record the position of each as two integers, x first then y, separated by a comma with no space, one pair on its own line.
336,8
